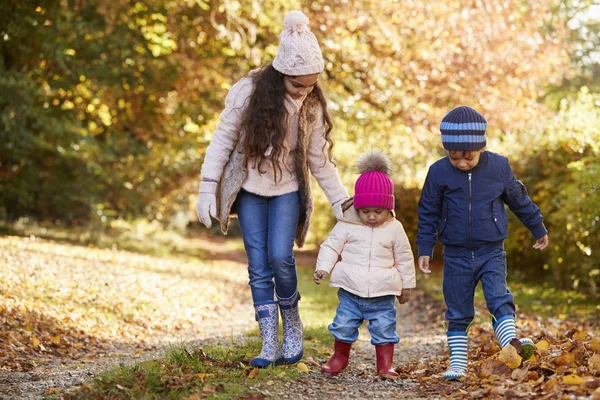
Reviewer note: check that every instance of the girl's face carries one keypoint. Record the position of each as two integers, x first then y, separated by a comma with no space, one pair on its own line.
373,216
300,86
464,160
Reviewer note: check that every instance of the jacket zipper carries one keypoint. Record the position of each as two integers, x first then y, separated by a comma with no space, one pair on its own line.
470,222
369,267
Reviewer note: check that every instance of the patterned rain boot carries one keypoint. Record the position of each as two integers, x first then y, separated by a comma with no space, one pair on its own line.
293,332
457,342
385,360
338,360
268,322
506,332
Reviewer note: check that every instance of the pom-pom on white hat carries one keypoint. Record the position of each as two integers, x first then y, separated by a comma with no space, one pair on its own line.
299,52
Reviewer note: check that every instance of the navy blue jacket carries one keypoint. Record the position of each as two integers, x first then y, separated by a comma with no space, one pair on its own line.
466,209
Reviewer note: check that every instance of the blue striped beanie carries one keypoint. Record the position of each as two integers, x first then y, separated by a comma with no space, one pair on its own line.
463,129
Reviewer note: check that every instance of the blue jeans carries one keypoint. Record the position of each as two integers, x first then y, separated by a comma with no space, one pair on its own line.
353,310
461,276
268,227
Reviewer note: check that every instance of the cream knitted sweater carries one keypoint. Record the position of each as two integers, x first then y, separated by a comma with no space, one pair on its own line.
227,133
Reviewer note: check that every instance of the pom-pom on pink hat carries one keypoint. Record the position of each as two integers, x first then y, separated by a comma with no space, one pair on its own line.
374,187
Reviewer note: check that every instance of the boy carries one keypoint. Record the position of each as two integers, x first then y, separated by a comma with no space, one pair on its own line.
463,202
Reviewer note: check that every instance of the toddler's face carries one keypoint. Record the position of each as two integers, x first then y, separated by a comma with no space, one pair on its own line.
373,216
300,86
464,160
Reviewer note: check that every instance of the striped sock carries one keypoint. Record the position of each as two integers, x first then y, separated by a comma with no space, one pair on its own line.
505,330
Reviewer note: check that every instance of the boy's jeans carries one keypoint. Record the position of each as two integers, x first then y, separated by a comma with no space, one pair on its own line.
268,228
353,310
461,276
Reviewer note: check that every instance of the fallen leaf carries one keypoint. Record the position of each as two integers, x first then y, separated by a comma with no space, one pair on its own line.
491,367
303,368
282,373
594,364
551,385
254,372
566,359
580,335
519,374
510,357
573,380
542,345
595,345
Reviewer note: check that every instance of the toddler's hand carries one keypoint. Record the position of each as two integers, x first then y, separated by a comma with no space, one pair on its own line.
318,276
424,264
404,297
541,243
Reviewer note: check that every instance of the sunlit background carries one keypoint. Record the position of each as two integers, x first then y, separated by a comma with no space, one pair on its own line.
107,107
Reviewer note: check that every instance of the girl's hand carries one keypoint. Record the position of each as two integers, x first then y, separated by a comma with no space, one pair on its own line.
318,276
404,297
424,264
541,243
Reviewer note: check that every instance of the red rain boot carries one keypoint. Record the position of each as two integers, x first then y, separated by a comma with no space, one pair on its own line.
385,360
338,360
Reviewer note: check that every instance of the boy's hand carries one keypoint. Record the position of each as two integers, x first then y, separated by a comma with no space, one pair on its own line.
541,243
404,297
318,276
424,264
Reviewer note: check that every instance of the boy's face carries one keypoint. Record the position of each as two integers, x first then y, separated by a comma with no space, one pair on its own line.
464,160
373,216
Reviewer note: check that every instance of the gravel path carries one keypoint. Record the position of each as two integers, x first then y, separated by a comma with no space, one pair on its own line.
422,341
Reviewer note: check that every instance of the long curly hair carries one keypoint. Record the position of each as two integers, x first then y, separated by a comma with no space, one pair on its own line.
264,120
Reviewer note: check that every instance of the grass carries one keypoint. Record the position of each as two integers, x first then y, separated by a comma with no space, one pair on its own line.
213,372
220,372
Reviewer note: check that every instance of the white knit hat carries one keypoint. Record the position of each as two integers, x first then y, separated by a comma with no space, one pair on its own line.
299,52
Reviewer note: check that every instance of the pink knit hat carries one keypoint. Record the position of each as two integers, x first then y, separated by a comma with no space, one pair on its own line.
374,188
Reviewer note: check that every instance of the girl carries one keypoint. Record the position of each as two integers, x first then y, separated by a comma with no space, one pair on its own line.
376,265
274,129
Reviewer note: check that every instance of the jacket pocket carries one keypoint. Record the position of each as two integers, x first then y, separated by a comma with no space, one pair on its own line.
443,221
500,221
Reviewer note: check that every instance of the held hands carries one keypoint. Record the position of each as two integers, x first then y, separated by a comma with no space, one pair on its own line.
404,297
319,276
206,205
337,208
541,243
424,264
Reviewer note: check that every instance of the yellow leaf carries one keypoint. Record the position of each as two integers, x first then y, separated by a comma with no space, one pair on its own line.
580,335
282,373
594,364
510,357
595,345
303,368
573,380
550,385
35,342
566,359
542,345
253,373
534,359
55,339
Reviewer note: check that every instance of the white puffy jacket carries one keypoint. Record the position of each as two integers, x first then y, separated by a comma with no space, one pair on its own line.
374,261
